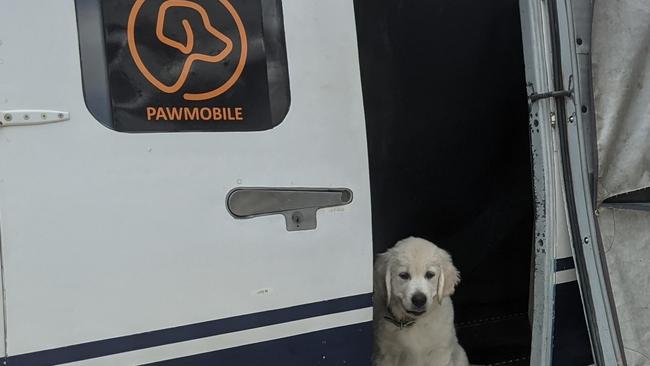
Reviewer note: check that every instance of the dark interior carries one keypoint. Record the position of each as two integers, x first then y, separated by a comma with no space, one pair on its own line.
446,111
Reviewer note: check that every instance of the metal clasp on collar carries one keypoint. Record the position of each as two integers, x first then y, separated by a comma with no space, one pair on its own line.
401,324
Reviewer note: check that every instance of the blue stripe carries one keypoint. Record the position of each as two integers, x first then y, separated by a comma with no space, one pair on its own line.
563,264
350,346
571,345
188,332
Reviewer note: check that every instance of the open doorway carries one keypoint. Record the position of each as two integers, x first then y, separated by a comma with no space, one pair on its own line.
445,101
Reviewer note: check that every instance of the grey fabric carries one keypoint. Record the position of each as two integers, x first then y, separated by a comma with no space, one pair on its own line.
621,76
627,249
621,79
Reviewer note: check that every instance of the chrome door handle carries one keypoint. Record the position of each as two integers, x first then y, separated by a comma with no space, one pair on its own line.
297,205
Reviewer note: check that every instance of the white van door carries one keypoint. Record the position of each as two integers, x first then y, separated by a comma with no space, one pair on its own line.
159,198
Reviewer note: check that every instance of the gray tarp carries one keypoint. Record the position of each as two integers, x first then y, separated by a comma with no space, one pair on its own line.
621,72
627,248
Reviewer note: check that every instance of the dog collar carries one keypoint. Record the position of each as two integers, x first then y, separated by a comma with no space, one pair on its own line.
401,324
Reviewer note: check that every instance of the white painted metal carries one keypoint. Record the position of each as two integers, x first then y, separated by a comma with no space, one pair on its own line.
107,234
565,276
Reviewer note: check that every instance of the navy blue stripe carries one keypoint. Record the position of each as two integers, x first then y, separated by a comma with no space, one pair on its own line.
349,345
571,345
188,332
563,264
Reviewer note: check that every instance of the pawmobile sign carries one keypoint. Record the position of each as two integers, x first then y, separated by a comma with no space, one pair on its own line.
186,65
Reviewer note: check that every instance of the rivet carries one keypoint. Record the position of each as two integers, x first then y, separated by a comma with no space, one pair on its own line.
61,115
26,117
553,119
586,240
43,116
8,117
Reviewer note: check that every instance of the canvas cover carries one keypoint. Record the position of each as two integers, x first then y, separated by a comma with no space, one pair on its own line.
621,77
627,249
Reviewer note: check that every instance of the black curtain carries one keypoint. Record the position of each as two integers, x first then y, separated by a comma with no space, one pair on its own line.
446,111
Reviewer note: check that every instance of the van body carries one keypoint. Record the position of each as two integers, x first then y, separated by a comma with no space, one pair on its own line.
201,182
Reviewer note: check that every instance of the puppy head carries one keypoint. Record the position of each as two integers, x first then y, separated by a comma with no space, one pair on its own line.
415,273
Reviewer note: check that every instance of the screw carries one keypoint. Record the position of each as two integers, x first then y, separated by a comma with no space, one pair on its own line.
8,117
586,240
553,119
572,118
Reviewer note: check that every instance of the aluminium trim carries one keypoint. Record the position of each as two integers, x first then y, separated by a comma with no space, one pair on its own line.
536,55
576,151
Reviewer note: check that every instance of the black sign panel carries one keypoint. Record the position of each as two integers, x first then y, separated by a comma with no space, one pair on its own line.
187,65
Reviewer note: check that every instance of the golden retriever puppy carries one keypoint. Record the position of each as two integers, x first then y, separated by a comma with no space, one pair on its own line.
413,313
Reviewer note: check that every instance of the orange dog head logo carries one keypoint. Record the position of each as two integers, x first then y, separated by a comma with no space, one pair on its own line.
187,47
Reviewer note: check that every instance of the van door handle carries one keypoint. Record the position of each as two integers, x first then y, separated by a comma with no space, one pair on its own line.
297,205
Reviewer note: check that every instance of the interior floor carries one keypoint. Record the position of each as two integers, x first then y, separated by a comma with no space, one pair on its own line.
446,111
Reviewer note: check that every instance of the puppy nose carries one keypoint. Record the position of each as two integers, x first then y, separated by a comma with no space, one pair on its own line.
419,299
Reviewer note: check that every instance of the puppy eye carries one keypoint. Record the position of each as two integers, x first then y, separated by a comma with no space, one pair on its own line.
404,276
429,275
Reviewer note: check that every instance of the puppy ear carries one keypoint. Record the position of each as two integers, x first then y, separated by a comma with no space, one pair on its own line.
387,279
382,278
447,280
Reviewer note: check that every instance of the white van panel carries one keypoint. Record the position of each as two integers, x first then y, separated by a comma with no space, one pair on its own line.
107,234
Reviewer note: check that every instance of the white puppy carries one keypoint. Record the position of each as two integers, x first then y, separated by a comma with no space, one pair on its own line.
414,316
